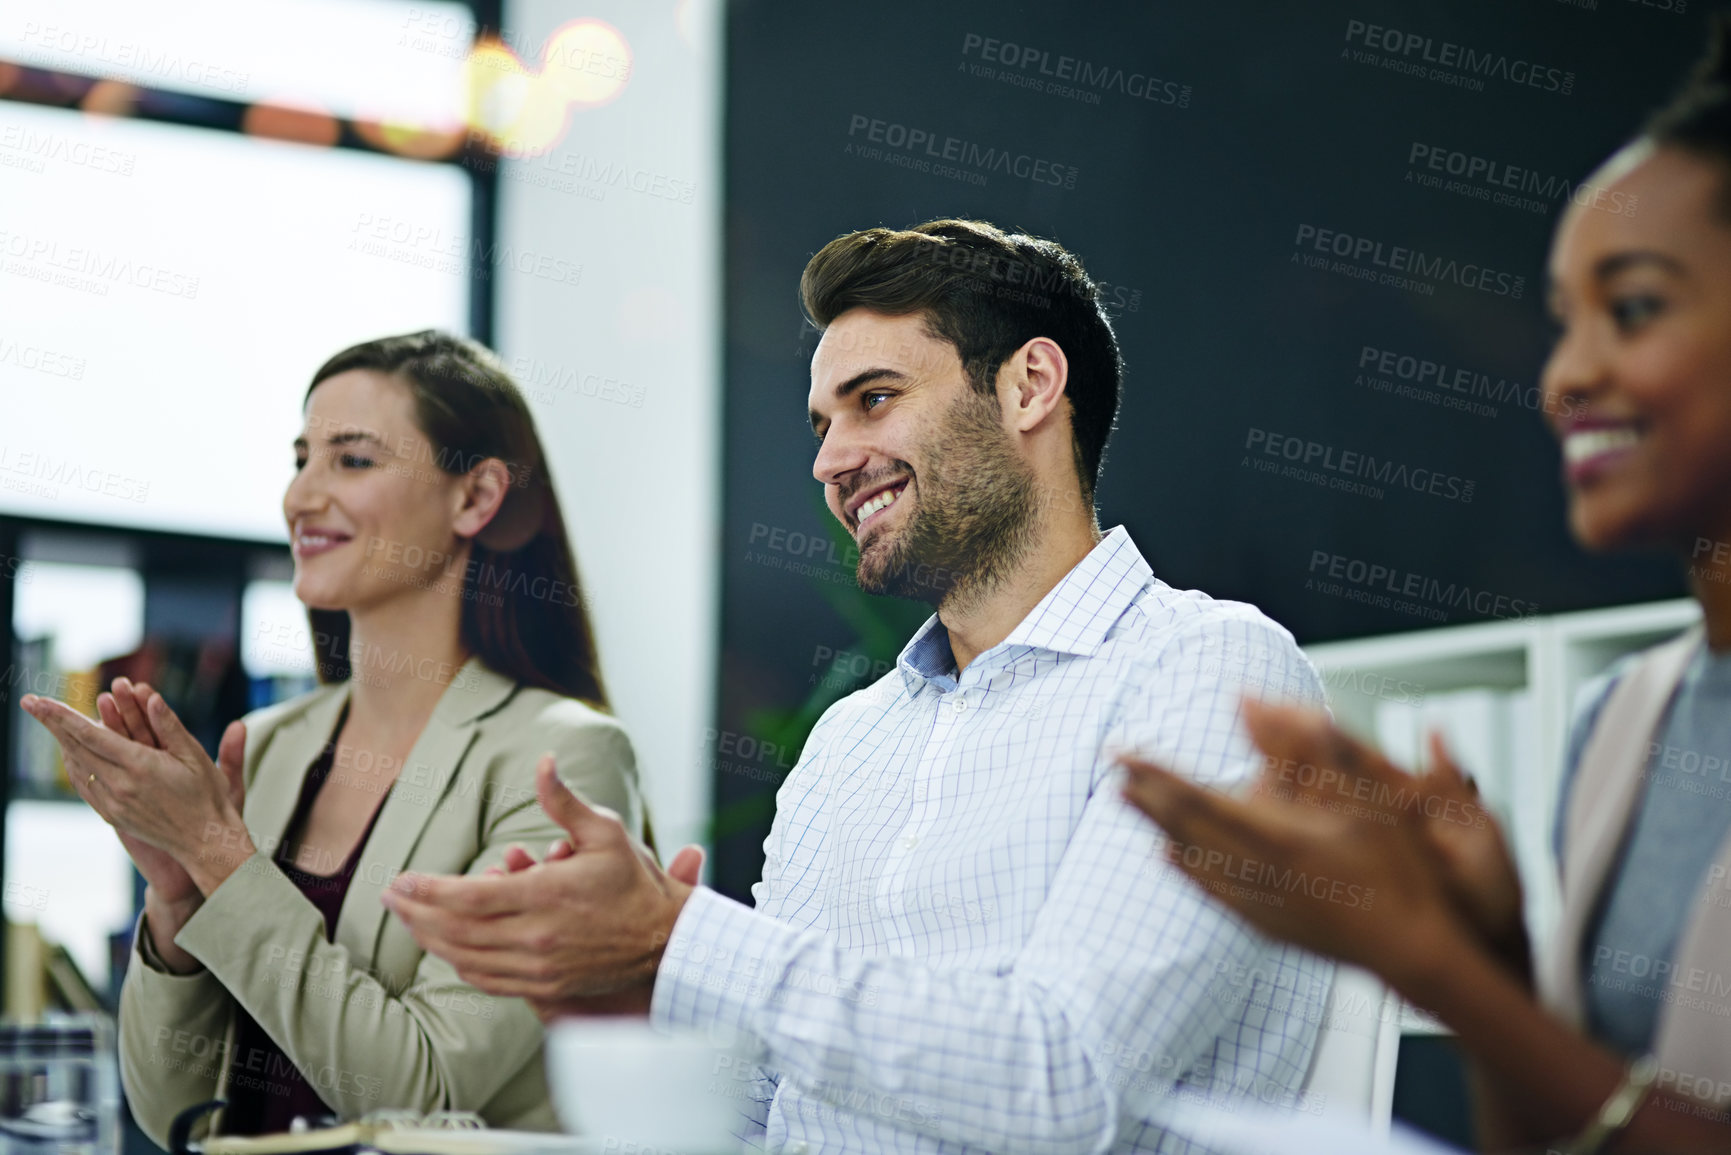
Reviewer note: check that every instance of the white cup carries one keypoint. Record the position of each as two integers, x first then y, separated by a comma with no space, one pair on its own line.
619,1082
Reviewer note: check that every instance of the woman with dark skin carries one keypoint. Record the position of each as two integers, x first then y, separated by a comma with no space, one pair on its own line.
1638,390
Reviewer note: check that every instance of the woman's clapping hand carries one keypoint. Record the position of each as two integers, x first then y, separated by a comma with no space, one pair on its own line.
177,812
1386,861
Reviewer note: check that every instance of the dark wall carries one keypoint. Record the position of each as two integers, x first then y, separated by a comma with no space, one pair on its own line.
1201,151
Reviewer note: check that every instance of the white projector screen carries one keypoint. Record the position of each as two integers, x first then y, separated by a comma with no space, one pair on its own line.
167,292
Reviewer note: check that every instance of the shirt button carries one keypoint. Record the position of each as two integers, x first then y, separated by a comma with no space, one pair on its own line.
799,1148
909,841
961,704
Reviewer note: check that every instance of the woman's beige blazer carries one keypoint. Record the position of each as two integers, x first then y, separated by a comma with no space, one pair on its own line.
371,1019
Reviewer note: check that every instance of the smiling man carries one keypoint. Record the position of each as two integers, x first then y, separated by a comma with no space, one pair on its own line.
963,939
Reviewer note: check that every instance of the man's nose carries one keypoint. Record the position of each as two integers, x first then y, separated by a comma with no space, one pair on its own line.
837,457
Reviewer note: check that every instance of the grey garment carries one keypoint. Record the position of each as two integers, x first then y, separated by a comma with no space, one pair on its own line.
1628,955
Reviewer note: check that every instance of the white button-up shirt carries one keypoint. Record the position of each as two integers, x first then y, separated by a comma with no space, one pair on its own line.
965,940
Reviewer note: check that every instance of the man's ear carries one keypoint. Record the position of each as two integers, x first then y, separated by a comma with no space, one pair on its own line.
1039,374
480,496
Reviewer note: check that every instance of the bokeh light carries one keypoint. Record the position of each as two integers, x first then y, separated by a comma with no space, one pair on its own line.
413,141
110,98
588,61
524,111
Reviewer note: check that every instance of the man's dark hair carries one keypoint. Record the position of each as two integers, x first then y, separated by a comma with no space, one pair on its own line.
988,293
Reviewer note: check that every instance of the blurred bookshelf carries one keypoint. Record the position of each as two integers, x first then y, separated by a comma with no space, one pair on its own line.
83,605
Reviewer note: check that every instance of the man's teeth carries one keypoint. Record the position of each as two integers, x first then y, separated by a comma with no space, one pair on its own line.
1590,443
881,501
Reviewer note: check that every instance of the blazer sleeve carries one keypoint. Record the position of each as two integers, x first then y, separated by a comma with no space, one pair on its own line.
594,758
174,1028
173,1038
436,1044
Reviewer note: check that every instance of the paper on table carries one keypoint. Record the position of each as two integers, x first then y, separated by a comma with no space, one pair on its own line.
433,1141
1255,1130
406,1141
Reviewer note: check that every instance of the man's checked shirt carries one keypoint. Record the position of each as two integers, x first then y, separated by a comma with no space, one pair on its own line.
965,940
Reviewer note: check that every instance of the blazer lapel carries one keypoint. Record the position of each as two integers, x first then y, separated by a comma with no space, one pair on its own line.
1602,805
282,770
426,778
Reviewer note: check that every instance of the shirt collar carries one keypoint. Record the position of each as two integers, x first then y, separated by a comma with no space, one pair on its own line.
1073,618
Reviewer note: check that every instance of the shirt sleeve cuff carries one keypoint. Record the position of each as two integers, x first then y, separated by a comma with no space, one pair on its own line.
722,966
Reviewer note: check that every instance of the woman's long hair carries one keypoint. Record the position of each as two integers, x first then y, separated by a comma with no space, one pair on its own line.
523,612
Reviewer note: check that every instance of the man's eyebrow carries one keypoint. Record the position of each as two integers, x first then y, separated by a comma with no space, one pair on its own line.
855,383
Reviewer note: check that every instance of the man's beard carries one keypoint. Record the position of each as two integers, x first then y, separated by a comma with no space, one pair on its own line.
973,519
